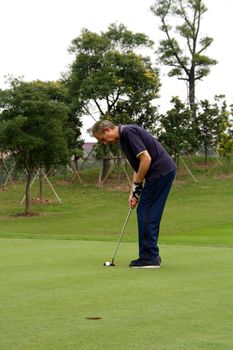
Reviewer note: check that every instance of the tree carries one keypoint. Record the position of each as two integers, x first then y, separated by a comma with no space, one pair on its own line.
33,127
182,49
109,77
212,121
225,144
176,129
107,74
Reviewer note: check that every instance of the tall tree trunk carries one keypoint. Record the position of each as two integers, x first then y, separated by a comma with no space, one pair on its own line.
105,168
27,192
40,183
65,172
177,160
192,104
106,162
206,154
192,96
119,167
76,158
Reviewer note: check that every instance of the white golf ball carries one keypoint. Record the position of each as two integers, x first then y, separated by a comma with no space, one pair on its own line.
107,263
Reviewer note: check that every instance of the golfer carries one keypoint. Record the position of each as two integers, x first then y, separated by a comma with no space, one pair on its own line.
154,172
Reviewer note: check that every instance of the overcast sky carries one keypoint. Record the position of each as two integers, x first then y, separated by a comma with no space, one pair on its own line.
35,35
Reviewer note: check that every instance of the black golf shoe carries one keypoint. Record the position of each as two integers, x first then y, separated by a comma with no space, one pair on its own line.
146,264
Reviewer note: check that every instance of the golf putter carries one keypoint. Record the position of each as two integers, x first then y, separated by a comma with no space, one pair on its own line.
121,235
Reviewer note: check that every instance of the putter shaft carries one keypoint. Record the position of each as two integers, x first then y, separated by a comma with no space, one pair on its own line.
121,235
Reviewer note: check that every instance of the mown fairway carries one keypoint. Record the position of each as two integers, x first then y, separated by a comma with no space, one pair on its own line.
51,284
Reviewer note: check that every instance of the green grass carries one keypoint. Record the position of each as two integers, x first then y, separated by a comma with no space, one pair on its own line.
49,287
52,275
196,213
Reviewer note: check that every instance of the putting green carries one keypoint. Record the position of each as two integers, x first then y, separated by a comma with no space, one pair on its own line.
51,290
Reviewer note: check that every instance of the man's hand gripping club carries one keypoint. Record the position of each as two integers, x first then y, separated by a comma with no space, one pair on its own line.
135,194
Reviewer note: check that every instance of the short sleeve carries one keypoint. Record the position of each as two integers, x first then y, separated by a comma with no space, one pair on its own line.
134,140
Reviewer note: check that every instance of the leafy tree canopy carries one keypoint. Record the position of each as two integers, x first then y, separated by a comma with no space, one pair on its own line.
109,76
176,131
33,123
183,49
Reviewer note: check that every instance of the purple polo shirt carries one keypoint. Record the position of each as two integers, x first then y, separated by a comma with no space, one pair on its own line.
134,140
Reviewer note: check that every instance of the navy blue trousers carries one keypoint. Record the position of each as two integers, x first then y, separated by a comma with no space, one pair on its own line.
149,214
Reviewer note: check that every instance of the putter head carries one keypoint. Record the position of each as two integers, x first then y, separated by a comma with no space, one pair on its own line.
112,263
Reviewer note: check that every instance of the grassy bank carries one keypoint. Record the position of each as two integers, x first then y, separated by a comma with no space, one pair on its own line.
196,213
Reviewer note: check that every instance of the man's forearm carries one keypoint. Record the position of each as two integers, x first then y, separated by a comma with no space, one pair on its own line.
145,161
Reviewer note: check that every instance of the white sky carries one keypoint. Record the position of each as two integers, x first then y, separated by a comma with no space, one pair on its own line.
35,35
